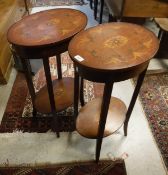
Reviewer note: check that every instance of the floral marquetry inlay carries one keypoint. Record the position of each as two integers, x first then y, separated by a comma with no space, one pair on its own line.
115,42
114,46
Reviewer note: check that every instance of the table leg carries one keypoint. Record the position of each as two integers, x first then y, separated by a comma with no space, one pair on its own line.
50,92
76,92
27,72
101,11
111,18
26,7
160,34
59,68
103,115
95,8
91,4
163,37
133,100
81,92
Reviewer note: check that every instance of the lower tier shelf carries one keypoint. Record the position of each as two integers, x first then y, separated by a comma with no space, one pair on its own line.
89,115
63,95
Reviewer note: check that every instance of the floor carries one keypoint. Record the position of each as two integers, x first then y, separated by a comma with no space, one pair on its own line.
139,149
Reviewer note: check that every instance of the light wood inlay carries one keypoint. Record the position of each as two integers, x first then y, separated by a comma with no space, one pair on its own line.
114,46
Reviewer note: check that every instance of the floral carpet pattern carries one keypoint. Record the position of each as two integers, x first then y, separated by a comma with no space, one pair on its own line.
107,167
154,98
40,3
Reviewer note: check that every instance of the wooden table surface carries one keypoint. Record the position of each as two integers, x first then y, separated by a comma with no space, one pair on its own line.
109,53
113,46
47,27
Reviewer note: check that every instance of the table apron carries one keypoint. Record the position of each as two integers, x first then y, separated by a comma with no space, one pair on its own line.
100,76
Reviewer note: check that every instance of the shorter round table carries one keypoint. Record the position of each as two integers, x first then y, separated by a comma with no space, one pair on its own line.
109,53
40,36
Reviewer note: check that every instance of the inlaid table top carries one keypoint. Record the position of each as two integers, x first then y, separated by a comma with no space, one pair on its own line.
113,46
47,27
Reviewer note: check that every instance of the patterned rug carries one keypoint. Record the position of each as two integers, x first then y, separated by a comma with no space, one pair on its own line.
42,3
154,98
86,168
18,113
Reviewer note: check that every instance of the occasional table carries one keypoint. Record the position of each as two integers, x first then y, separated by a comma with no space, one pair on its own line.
40,36
109,53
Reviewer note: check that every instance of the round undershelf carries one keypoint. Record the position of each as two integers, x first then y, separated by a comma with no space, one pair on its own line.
89,115
63,95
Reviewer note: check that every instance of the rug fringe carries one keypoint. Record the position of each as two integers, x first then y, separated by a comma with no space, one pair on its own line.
52,165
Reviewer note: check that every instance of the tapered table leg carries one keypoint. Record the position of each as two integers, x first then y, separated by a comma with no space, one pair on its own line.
51,92
76,92
27,70
95,8
26,6
91,4
103,116
101,11
133,100
59,68
81,92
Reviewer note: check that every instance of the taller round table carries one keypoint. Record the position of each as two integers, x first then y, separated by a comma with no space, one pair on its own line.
109,53
40,36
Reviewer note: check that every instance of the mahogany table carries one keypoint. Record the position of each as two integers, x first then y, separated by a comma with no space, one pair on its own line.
40,36
109,53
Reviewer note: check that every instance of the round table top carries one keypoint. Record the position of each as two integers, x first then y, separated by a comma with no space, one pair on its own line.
163,23
113,46
47,27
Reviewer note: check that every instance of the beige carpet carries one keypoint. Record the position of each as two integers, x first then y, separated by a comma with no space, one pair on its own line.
42,3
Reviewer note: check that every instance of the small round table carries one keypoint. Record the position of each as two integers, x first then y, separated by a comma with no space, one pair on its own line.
40,36
109,53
